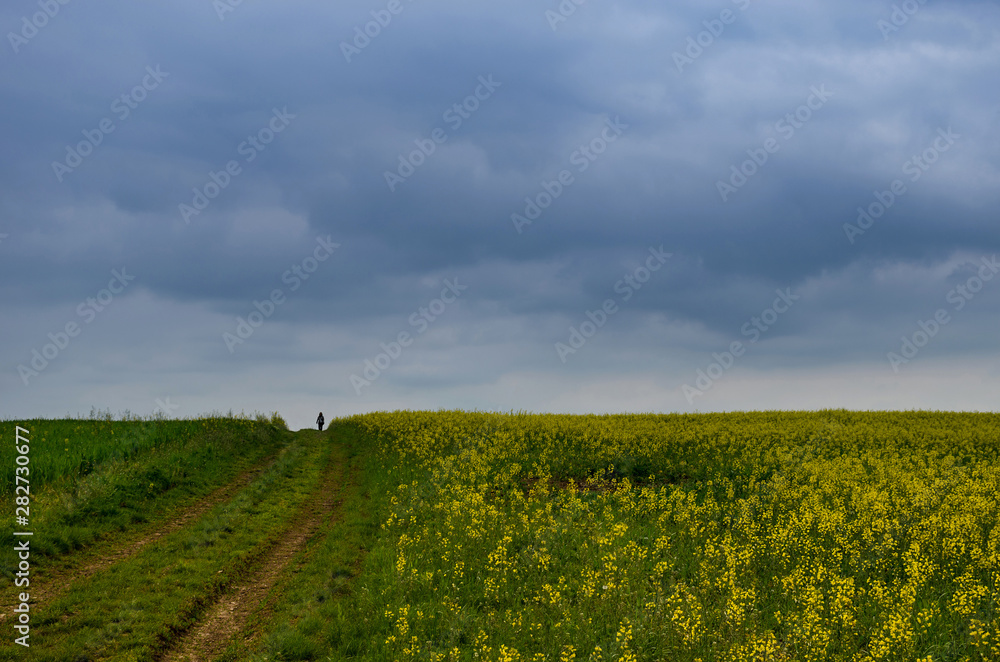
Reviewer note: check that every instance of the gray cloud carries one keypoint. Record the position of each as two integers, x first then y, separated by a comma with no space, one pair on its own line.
657,184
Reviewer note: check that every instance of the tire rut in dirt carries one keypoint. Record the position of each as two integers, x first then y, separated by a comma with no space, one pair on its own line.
59,582
228,617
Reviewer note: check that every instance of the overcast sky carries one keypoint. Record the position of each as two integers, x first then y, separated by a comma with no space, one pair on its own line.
417,204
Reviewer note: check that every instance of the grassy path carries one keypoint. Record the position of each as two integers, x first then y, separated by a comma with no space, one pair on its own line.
190,585
54,579
229,617
315,614
251,570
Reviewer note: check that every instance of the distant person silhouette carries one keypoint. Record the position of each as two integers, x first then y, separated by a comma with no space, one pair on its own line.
320,421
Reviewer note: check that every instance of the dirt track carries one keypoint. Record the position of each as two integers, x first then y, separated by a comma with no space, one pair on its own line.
228,617
56,582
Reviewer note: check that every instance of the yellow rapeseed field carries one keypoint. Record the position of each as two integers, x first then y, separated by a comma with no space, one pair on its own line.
808,536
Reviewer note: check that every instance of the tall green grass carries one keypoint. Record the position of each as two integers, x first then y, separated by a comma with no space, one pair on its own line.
91,478
70,449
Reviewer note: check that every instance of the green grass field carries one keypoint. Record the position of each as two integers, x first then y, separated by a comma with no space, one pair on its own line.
472,536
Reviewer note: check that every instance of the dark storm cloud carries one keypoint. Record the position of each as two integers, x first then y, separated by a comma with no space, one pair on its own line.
696,90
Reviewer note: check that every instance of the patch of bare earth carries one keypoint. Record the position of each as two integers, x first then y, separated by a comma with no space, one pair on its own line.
227,618
53,584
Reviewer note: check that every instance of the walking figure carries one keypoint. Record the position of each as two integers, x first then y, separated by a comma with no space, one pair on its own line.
320,421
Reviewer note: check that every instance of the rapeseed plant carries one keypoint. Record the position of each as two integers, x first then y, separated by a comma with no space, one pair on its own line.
764,536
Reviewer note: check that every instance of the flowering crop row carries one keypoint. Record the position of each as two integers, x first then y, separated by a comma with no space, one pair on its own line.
757,536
